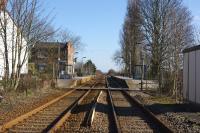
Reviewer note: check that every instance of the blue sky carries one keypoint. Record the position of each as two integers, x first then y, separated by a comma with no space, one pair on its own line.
98,22
194,7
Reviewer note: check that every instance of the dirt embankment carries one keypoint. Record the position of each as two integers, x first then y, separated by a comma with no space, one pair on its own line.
15,104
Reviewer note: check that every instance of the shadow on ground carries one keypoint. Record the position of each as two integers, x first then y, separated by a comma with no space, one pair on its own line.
174,108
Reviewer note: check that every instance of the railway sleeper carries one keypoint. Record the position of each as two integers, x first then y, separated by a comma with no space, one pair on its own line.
39,121
32,124
42,117
23,129
49,113
54,109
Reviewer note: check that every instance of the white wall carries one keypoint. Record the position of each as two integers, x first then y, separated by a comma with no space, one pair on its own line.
10,33
191,76
185,75
198,76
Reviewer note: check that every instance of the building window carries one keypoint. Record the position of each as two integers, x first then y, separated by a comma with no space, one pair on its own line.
41,67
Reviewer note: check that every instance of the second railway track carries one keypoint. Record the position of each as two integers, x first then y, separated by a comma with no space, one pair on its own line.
45,118
131,116
77,121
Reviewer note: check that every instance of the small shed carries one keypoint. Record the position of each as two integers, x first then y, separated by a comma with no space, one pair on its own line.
191,74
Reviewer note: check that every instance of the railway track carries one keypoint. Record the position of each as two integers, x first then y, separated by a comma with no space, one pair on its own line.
103,121
48,117
131,116
43,119
82,115
89,110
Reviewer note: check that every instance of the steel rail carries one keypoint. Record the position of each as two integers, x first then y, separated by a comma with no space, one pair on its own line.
19,119
55,124
164,127
117,125
91,115
59,121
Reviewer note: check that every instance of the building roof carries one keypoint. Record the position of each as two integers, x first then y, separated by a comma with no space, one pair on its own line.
190,49
51,44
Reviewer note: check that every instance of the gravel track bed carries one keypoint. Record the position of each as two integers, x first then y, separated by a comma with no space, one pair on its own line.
40,121
182,118
130,117
77,117
103,120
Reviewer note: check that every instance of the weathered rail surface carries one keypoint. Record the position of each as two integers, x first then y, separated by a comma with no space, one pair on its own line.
89,109
91,113
77,121
131,115
114,114
43,118
83,115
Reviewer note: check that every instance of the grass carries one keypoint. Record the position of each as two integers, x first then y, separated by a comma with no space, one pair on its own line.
163,100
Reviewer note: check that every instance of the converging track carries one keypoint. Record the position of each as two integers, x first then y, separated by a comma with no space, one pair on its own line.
49,117
43,120
89,108
81,115
131,116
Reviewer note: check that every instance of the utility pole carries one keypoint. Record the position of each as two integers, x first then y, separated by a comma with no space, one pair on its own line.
58,68
74,64
142,74
130,63
82,66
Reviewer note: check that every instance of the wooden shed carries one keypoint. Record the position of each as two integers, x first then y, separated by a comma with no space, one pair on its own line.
191,74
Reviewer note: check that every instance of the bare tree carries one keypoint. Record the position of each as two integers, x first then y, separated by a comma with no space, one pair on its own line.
167,27
197,36
22,26
67,36
118,58
181,37
167,30
131,37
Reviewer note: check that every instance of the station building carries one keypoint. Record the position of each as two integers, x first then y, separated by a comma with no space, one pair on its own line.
54,58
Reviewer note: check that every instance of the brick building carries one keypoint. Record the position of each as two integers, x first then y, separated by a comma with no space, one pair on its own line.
54,58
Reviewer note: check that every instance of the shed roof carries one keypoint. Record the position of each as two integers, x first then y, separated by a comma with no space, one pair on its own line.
194,48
